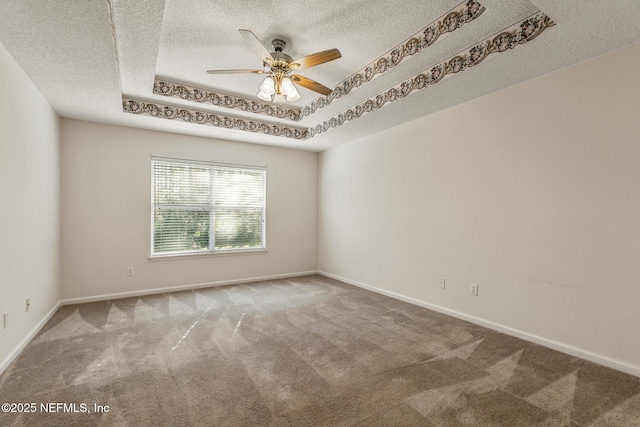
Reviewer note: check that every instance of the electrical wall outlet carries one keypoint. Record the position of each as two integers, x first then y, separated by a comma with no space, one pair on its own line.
442,283
28,304
474,290
130,271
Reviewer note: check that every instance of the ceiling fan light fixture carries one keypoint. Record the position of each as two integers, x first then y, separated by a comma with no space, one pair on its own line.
279,98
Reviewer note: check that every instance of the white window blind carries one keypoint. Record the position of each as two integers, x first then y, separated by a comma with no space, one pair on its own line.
206,207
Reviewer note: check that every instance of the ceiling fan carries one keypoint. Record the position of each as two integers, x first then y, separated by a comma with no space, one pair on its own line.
278,66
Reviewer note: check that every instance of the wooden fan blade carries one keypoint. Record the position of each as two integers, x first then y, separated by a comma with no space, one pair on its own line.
256,45
316,59
235,71
311,84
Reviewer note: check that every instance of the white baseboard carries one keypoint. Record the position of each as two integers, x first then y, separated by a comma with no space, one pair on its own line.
143,292
27,339
555,345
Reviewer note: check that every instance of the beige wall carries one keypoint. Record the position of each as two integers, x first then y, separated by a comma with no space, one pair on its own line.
533,193
29,207
106,185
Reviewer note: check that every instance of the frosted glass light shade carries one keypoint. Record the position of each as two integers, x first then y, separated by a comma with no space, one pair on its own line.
264,96
294,95
268,86
287,87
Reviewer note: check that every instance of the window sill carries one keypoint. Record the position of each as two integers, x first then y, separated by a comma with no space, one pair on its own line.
175,257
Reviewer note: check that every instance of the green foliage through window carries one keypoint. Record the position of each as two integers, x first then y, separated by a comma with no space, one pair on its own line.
207,207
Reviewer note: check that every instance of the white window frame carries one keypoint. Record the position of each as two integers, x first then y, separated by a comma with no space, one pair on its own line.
212,250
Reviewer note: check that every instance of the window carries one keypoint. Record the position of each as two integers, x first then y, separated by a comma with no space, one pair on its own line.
201,207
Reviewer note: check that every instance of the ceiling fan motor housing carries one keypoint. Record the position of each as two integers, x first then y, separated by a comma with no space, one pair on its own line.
281,59
278,44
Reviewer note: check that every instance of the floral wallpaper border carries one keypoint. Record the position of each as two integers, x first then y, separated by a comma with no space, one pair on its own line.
518,34
191,93
465,12
191,116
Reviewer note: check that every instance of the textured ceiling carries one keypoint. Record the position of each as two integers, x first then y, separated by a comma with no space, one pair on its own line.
100,60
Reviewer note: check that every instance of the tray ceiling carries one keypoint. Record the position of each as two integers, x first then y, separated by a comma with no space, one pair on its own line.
143,63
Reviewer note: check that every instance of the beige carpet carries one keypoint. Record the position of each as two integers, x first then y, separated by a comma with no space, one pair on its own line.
309,351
